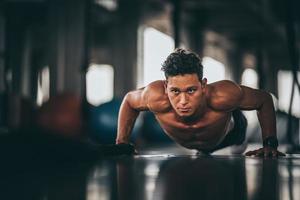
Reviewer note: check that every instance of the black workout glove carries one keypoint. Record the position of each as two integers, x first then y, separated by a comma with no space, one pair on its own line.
127,149
117,149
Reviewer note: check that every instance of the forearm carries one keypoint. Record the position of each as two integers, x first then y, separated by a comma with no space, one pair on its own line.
263,103
126,120
267,117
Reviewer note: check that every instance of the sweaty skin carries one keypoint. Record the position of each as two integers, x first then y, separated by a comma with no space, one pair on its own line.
195,114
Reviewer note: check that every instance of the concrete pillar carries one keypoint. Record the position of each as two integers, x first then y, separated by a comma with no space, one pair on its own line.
66,52
125,48
192,35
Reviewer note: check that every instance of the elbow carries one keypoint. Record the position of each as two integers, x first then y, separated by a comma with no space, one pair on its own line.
268,97
267,100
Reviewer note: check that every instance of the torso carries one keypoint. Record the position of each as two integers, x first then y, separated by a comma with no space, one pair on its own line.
203,134
206,133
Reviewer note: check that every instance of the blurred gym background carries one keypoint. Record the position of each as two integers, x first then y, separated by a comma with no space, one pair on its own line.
65,65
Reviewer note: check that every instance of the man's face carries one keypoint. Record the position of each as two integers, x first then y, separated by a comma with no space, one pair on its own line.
186,93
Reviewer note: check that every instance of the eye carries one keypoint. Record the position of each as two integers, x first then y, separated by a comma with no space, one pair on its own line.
191,90
175,91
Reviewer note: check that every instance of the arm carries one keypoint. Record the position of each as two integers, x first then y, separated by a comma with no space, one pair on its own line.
262,102
132,104
253,99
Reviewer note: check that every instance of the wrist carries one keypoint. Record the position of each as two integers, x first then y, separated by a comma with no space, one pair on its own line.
120,141
271,142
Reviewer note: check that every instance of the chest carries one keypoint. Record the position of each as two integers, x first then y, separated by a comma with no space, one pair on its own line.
211,126
211,119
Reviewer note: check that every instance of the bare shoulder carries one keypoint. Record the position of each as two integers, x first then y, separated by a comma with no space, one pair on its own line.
224,95
157,99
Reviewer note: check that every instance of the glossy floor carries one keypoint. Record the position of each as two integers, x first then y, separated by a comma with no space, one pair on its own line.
156,173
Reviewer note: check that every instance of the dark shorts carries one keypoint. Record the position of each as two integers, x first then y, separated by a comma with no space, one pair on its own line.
238,134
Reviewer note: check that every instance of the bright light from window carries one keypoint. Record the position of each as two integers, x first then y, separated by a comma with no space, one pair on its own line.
99,84
250,78
285,82
110,5
43,86
157,46
213,70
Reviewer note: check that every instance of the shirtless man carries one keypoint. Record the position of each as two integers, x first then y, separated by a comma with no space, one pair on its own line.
197,115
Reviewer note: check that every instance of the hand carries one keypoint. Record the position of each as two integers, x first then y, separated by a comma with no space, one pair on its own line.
128,149
265,152
116,149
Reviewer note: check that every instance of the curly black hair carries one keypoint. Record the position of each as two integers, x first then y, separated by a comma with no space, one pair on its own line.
182,62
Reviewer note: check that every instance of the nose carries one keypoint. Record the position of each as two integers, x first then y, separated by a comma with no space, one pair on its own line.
183,99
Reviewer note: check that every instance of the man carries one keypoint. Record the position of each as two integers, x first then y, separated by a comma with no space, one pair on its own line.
197,115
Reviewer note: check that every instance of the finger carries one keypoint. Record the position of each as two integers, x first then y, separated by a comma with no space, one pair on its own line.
255,153
267,153
260,153
276,153
280,153
249,153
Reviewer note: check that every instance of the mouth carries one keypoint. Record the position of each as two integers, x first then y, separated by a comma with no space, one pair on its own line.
184,110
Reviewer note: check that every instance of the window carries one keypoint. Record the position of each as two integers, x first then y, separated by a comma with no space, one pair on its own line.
156,47
43,86
250,78
99,84
110,5
213,70
285,82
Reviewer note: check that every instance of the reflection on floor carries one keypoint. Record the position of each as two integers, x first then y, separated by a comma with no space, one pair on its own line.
156,173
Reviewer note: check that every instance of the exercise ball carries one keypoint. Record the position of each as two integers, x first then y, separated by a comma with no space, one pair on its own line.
152,131
61,115
103,122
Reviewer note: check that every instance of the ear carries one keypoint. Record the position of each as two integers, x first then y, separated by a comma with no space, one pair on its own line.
204,82
165,85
